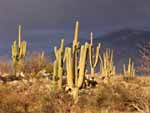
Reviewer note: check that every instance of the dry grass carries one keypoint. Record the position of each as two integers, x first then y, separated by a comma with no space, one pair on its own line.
35,98
34,63
5,66
118,96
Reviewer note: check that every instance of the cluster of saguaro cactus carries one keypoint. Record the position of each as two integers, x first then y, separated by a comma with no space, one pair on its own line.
58,65
75,68
92,57
74,82
75,61
130,71
18,49
107,67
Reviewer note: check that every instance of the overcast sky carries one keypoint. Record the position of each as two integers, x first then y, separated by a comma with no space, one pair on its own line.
60,14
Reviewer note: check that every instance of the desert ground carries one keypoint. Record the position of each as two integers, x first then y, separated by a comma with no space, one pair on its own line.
118,95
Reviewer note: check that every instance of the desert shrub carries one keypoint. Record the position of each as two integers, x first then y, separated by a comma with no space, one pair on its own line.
49,68
106,96
5,65
36,62
33,99
123,96
133,98
144,50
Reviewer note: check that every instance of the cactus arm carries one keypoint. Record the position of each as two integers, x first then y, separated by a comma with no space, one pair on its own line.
58,64
24,49
76,34
55,51
62,45
82,64
69,68
91,38
92,58
14,50
19,36
97,55
90,55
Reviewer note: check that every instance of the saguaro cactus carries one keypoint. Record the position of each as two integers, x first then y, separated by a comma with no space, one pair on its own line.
107,65
93,59
130,71
75,68
58,65
18,49
75,51
75,85
82,64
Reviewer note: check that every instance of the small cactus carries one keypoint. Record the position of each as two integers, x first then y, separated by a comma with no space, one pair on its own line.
18,50
130,71
58,65
94,59
107,65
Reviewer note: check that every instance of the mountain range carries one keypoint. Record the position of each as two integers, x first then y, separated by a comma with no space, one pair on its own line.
125,43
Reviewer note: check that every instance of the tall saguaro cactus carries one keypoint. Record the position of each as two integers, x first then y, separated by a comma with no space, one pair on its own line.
130,71
18,49
76,35
75,59
92,57
75,85
58,65
75,51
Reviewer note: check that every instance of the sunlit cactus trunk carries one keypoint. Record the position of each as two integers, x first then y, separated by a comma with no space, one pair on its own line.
82,64
81,69
58,65
69,67
76,68
18,51
75,50
94,59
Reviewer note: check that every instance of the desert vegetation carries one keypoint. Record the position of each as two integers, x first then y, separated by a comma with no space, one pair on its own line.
145,57
32,83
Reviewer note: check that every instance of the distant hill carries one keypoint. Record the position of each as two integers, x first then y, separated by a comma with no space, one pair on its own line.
125,43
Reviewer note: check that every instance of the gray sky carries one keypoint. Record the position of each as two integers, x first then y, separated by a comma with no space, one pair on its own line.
60,14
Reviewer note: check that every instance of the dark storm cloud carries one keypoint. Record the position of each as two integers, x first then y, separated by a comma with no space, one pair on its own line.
111,12
57,13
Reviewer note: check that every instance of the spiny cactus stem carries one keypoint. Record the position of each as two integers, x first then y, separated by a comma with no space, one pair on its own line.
76,35
76,32
91,38
19,36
